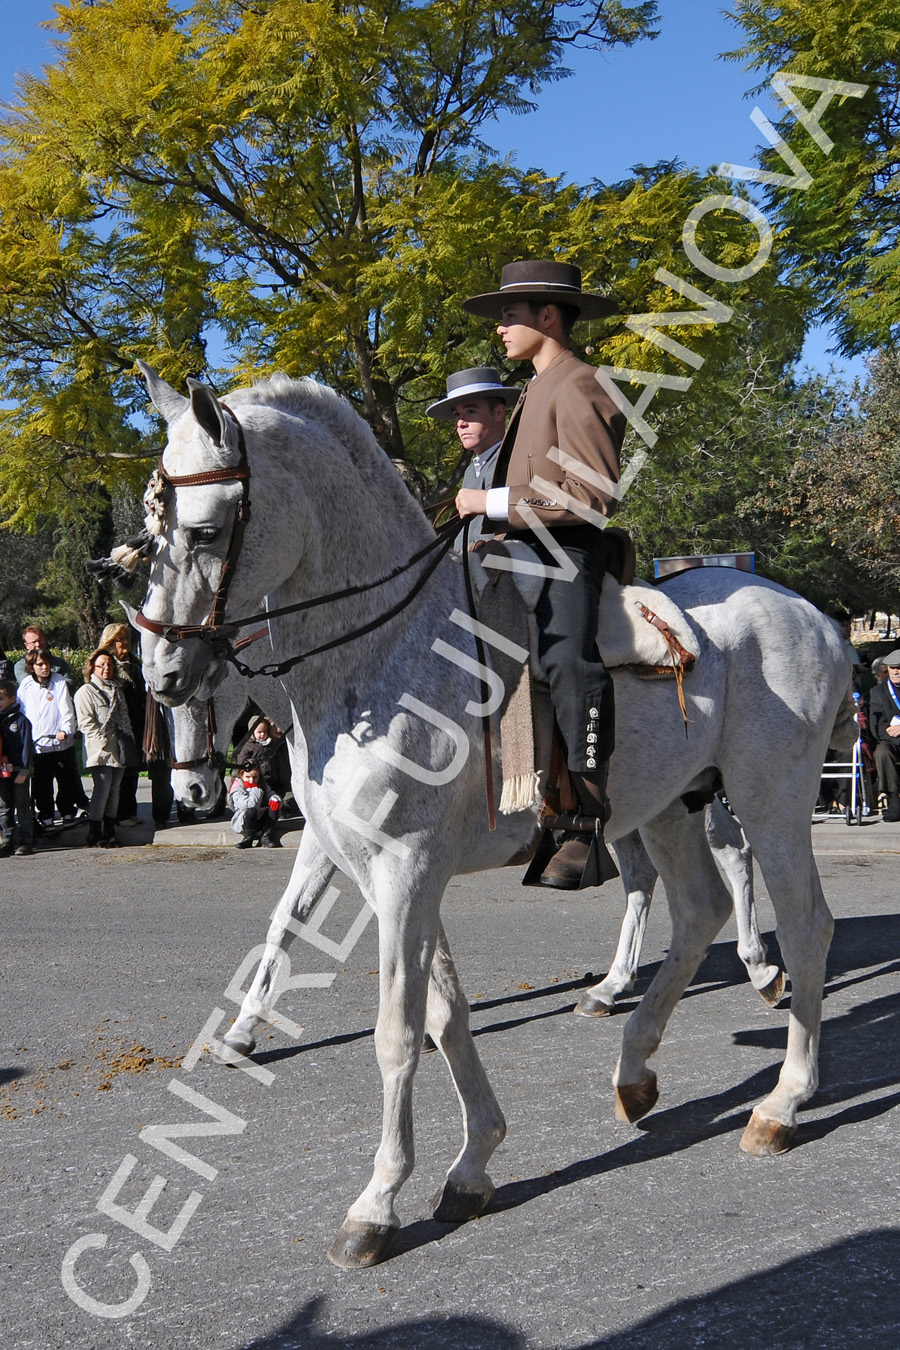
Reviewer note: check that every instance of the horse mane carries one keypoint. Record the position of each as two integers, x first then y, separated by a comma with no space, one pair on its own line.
306,398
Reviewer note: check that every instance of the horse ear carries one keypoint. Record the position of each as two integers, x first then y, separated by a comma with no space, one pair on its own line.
207,413
164,398
131,614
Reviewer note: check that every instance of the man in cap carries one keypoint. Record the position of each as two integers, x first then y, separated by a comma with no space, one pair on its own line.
477,402
884,723
557,468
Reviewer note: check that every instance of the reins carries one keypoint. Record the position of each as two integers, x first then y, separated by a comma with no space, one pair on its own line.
440,546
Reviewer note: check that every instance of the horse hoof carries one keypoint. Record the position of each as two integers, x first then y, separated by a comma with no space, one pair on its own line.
235,1047
454,1204
358,1245
591,1006
774,990
766,1138
634,1100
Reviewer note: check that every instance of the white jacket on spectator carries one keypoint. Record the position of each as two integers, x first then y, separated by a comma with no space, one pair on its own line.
49,709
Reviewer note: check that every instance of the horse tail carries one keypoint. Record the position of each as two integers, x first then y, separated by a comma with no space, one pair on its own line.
845,730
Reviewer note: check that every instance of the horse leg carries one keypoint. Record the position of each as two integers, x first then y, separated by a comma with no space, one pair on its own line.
407,935
467,1189
309,880
638,878
805,927
732,853
699,905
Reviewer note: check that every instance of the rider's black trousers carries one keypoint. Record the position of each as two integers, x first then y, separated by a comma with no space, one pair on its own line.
581,688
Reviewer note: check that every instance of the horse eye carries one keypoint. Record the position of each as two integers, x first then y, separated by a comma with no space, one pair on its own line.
202,534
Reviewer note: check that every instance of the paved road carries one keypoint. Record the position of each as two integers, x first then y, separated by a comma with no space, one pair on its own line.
602,1235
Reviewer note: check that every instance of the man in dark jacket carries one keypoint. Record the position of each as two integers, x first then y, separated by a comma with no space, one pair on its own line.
884,724
558,468
477,402
16,760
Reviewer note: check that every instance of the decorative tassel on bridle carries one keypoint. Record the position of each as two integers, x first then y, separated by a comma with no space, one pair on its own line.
124,560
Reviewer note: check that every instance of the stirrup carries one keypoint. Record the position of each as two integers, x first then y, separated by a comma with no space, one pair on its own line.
599,865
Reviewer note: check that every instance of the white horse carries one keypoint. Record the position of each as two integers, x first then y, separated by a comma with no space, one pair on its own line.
384,726
198,786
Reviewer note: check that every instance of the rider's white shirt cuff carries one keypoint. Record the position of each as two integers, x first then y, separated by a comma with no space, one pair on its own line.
497,507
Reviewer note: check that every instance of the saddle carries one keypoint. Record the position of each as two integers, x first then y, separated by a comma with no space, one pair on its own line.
640,629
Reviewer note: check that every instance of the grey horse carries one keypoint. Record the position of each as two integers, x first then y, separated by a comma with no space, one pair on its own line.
385,760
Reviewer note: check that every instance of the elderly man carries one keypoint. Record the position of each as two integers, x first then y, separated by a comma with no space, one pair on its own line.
35,639
884,723
566,432
477,402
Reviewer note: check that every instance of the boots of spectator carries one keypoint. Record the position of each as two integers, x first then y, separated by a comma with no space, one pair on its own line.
109,839
582,858
95,834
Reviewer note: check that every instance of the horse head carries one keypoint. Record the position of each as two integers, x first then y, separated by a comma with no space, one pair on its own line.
193,504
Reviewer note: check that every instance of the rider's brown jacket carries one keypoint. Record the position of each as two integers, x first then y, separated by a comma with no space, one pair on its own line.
563,407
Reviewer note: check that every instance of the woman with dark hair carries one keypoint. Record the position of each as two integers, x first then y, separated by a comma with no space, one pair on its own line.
108,745
48,706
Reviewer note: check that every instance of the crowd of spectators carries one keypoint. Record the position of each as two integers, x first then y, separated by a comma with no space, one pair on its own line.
43,706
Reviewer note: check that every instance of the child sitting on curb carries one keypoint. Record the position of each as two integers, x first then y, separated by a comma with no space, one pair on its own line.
252,815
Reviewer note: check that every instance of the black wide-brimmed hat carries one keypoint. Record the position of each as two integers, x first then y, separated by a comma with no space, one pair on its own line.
557,283
476,382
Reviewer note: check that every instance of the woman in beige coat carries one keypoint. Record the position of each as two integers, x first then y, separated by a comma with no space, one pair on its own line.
103,722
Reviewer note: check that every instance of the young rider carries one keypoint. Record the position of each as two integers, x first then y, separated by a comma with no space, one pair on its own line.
566,432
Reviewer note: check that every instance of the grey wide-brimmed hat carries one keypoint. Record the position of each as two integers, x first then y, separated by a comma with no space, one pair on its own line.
557,283
476,382
892,658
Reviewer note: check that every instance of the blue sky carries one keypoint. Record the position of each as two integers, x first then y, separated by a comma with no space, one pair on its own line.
668,99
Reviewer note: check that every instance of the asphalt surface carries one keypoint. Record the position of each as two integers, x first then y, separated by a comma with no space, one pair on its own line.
600,1235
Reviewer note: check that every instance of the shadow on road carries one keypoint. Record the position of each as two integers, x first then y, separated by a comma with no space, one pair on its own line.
845,1294
10,1075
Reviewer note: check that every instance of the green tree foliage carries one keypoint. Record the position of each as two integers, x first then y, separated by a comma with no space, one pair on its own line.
844,490
842,231
214,162
310,185
22,559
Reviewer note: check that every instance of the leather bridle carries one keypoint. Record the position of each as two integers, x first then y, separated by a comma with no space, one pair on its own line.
213,758
240,473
